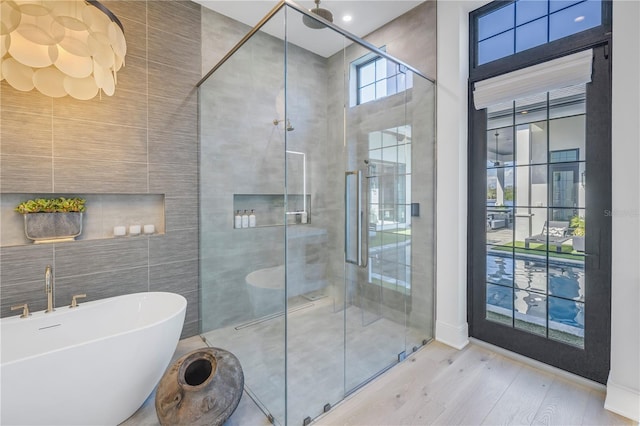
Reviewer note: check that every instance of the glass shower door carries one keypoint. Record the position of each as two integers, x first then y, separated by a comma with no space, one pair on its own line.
242,268
314,225
377,218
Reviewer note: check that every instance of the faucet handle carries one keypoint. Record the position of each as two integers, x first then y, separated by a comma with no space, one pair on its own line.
25,309
74,300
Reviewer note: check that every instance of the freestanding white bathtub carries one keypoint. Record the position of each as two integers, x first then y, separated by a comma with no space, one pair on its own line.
91,365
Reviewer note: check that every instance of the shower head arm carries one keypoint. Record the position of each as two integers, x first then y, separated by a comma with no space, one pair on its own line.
288,127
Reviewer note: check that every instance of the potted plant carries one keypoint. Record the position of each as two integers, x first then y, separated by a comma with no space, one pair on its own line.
577,223
52,219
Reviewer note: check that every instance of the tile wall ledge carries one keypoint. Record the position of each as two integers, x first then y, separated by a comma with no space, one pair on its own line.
105,215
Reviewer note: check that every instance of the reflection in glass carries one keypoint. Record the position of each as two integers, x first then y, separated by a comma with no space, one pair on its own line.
540,255
529,10
567,280
294,281
531,186
528,222
531,143
389,170
500,268
536,22
574,19
500,147
531,35
566,321
367,74
500,226
531,273
567,102
538,142
404,157
495,22
495,47
556,5
578,232
502,188
389,225
500,304
500,115
378,77
564,189
530,312
367,94
567,138
530,109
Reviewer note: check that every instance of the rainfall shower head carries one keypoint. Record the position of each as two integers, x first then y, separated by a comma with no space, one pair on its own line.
323,13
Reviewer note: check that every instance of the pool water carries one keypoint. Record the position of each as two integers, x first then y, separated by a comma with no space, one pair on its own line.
527,288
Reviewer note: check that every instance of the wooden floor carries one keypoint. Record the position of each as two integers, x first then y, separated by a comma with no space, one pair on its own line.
439,385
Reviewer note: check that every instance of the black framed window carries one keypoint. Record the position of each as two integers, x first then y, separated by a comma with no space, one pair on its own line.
511,34
377,78
525,24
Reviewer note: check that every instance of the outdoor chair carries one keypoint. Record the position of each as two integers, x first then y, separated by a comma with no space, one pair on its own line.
556,233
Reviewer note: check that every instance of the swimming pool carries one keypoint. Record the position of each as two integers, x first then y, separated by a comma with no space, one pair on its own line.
529,289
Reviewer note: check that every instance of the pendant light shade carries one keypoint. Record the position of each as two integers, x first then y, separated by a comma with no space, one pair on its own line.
62,47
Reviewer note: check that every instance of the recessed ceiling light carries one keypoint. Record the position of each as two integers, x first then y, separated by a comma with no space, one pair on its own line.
347,18
579,19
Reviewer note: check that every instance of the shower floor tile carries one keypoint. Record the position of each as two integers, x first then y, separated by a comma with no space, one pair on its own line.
316,357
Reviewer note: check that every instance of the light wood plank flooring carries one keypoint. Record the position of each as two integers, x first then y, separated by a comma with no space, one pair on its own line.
439,385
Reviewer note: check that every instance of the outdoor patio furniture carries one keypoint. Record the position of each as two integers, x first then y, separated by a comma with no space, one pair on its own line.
498,219
497,223
553,235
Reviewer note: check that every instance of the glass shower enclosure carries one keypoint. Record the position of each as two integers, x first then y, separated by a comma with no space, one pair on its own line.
317,218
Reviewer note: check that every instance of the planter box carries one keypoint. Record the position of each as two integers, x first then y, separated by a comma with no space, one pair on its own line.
52,227
578,243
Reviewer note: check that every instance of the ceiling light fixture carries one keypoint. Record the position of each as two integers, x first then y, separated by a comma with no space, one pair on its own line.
347,18
65,47
579,19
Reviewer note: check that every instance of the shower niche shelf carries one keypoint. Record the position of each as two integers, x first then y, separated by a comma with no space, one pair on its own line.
104,212
270,208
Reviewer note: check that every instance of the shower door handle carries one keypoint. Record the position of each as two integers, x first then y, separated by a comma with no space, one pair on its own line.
350,257
361,257
363,252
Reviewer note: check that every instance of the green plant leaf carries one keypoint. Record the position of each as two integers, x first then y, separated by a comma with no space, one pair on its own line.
52,205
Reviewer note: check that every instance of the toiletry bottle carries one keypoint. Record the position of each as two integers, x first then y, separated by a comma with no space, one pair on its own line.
245,219
252,219
237,220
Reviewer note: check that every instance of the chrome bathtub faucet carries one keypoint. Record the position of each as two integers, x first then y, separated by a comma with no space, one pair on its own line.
49,288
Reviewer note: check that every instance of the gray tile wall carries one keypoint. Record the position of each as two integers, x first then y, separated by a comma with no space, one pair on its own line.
143,140
242,152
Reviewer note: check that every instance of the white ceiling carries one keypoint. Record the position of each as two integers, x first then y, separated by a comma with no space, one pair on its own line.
367,16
